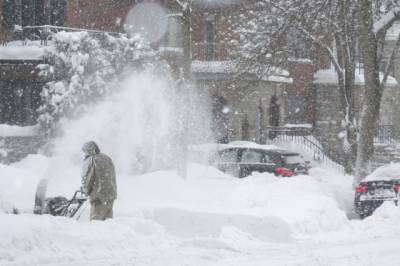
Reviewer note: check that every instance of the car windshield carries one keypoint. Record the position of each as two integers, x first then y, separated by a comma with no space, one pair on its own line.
293,159
229,156
251,156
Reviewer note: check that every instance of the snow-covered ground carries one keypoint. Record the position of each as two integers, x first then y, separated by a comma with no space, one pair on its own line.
209,218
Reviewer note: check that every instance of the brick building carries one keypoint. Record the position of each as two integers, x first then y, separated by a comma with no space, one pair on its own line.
242,107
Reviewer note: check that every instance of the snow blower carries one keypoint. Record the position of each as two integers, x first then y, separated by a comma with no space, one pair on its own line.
58,206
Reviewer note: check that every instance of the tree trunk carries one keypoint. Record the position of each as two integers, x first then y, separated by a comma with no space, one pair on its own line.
345,50
372,91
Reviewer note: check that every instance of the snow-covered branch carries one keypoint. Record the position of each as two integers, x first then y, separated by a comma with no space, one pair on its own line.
326,48
386,20
82,68
183,4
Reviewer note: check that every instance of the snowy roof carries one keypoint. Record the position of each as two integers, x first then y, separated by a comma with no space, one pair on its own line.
18,51
300,60
229,67
298,125
329,76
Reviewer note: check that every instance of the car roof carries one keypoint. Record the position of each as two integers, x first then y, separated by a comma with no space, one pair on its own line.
254,146
248,145
385,172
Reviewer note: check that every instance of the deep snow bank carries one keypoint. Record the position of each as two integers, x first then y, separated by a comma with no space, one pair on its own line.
208,210
36,240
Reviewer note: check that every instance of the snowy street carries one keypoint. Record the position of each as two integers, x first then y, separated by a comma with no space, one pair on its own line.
208,219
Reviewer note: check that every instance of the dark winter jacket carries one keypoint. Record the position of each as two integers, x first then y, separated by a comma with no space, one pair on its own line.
98,174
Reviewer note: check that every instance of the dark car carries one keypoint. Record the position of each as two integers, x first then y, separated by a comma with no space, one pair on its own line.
382,185
242,161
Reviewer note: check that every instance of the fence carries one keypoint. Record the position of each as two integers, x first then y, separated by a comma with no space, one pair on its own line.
304,140
385,135
210,51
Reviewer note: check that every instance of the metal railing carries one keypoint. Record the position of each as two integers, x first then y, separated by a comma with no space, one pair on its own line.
303,138
210,51
385,135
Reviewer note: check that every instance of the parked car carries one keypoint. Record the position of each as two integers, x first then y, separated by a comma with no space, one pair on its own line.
242,159
380,186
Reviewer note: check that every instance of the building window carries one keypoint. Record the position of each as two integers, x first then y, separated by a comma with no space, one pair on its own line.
174,34
11,14
50,12
27,16
297,109
57,12
209,29
19,13
19,101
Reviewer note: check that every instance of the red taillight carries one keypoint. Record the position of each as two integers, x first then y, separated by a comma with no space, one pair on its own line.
396,187
361,189
284,172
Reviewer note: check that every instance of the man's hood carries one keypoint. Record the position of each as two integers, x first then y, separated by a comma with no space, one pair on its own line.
90,148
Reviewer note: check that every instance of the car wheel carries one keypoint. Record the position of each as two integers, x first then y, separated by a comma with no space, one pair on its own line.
366,208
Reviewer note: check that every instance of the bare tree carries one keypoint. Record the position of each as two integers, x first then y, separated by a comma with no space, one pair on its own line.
280,29
339,29
376,17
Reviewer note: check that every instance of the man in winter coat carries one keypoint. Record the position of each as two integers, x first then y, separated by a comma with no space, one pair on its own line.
98,181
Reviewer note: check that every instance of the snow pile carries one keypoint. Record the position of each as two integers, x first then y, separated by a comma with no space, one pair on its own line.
34,240
17,131
309,204
209,210
19,52
388,211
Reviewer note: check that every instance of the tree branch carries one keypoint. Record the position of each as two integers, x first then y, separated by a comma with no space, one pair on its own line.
386,21
390,64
